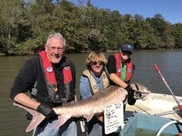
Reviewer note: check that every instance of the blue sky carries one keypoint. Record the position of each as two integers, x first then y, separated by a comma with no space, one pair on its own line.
171,10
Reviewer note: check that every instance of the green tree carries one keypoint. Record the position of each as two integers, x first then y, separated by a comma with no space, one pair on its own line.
11,12
177,32
163,31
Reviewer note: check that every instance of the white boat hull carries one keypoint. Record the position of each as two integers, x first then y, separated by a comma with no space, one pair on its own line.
157,104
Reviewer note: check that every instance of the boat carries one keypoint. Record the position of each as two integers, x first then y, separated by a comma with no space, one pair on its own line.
157,104
157,115
149,125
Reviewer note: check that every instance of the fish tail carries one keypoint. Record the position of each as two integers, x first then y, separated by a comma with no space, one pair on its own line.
37,117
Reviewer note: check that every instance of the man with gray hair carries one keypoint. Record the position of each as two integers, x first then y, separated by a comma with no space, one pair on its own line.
50,78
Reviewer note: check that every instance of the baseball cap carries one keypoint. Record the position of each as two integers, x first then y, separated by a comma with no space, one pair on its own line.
127,48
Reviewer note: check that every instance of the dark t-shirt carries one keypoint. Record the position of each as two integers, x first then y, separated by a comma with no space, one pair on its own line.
111,65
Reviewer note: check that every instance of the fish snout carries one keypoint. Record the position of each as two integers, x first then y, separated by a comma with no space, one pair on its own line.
141,91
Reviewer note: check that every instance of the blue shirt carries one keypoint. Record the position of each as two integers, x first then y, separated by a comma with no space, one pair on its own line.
85,87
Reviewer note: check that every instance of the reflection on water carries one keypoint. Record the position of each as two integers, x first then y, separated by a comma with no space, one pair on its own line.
12,120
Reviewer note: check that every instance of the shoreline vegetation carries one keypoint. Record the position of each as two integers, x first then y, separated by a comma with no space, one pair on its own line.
25,26
3,54
108,51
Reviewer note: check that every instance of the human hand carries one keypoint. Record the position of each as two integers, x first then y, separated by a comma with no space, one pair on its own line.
131,98
46,111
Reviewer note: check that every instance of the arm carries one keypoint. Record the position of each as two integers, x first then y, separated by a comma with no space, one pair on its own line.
85,90
26,101
24,82
117,80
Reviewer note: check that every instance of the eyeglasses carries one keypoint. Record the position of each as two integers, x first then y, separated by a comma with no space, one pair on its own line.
97,62
53,49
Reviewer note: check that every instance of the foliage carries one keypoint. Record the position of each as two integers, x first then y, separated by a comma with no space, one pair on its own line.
25,25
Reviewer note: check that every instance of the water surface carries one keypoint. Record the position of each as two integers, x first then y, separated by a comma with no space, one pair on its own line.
12,120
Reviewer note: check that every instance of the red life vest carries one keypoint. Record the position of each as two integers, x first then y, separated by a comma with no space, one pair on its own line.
52,83
129,67
49,73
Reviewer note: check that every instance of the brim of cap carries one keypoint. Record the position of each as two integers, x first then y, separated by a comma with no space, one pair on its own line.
124,50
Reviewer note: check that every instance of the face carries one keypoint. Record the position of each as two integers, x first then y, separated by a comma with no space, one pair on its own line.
125,55
55,50
97,67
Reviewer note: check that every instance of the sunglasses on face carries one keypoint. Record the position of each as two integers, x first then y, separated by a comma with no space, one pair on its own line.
97,62
126,53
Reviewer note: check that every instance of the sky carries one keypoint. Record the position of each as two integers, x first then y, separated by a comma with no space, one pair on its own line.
171,10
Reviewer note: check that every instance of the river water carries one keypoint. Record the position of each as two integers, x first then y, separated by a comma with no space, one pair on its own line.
12,120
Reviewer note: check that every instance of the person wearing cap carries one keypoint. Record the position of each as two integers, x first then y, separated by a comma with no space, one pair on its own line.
120,69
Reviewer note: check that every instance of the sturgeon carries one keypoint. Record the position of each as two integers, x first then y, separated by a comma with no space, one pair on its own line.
86,108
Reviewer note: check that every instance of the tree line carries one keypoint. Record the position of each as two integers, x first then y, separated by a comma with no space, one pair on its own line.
25,25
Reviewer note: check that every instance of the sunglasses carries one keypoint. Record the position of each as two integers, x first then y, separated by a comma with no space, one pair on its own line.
126,53
97,62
